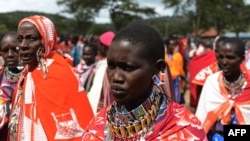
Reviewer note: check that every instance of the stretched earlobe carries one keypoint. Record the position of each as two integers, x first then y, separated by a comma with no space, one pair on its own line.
160,66
160,73
42,61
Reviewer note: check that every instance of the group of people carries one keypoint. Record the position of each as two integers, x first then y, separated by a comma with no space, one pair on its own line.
123,87
47,102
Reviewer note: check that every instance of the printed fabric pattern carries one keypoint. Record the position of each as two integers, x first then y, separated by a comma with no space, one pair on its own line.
173,122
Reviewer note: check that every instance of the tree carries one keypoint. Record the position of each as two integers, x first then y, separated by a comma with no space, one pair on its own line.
241,18
83,11
121,12
221,14
3,29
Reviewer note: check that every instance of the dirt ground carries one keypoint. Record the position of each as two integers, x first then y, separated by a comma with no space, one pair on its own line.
187,100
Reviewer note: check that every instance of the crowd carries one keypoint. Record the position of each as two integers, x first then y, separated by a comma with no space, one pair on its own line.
127,85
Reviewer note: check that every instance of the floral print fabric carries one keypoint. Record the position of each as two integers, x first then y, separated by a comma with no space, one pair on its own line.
174,122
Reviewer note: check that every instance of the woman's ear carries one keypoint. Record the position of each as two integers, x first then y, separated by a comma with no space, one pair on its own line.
160,65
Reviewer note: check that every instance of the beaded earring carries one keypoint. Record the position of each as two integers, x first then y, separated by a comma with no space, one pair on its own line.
162,76
20,65
159,80
162,81
42,62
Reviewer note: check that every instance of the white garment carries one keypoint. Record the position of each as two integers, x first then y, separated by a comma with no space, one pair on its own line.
211,98
27,122
248,61
96,89
84,71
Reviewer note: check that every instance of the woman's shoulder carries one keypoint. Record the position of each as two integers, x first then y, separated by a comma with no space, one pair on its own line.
182,121
214,76
96,127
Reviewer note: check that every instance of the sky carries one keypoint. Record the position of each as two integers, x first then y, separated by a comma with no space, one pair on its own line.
50,6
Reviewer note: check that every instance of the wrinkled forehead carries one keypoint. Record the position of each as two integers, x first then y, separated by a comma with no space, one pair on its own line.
46,30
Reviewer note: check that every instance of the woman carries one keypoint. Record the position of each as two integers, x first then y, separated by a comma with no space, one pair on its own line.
97,94
225,95
205,58
9,75
204,65
86,69
47,102
142,109
174,60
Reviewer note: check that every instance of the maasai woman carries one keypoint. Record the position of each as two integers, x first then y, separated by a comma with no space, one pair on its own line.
9,75
225,95
48,103
86,68
142,110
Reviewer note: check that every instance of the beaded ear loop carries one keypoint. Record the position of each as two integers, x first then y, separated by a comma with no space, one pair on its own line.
42,62
162,81
159,80
20,62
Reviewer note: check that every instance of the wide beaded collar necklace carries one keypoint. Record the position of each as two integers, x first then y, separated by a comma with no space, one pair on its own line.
129,124
10,76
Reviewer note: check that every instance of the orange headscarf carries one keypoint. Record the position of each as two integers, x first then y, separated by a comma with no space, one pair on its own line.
46,29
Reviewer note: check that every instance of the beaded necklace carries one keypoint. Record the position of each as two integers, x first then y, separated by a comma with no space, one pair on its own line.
136,123
10,76
234,87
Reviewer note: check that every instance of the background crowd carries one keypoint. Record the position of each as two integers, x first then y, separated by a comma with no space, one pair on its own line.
120,85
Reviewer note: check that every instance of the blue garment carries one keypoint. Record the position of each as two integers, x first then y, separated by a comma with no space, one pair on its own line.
177,87
76,53
214,136
217,137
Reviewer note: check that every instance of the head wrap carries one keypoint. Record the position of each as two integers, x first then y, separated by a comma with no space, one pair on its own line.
106,38
46,29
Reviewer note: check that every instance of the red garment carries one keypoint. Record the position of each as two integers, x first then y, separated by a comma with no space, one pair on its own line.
195,65
48,103
182,44
175,122
57,94
202,75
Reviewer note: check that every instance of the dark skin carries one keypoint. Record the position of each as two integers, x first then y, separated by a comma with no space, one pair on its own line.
9,51
29,42
130,73
229,62
102,49
171,46
88,55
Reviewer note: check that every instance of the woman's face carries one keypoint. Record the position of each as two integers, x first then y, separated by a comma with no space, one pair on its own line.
129,73
29,40
228,60
10,52
88,55
172,46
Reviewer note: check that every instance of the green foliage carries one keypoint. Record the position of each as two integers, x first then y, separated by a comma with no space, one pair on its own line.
64,26
121,12
99,29
169,25
67,26
11,19
222,14
3,29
